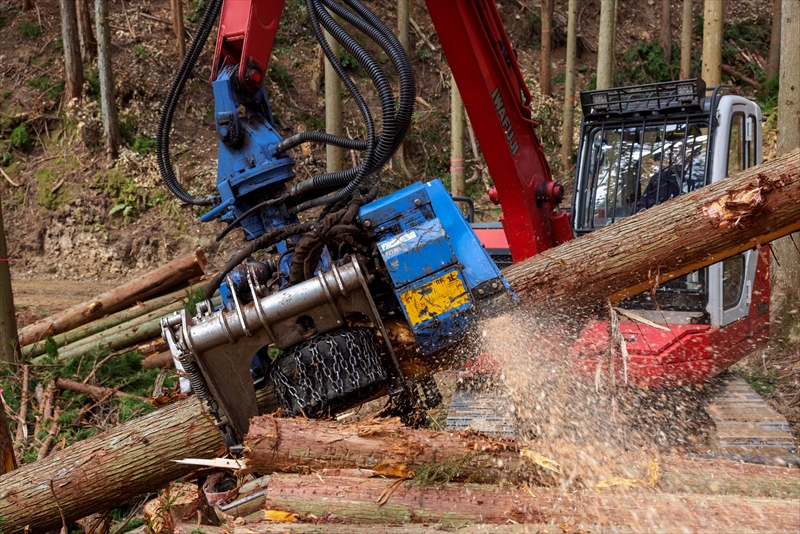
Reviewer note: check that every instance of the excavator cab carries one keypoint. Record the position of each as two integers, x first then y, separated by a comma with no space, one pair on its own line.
639,147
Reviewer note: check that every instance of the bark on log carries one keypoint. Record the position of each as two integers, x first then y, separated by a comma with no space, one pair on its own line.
302,445
682,235
97,392
354,500
162,279
110,321
108,469
158,361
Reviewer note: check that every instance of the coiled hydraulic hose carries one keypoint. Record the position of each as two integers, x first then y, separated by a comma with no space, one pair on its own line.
391,137
171,100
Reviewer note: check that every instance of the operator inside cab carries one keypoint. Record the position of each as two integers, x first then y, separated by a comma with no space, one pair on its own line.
666,182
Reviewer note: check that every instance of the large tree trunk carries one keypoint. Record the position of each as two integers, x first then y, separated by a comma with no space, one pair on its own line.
9,343
333,109
73,67
569,88
666,31
546,83
85,31
458,185
712,41
694,230
174,273
403,18
177,27
785,301
686,40
773,66
107,102
605,45
353,500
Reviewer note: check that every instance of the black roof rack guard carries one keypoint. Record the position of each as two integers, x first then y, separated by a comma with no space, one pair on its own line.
647,99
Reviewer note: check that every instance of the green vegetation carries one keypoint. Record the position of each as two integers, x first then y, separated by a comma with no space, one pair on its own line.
560,78
92,77
192,298
763,383
644,63
312,122
440,473
196,11
48,195
51,87
29,29
19,137
130,200
141,52
143,144
279,74
58,44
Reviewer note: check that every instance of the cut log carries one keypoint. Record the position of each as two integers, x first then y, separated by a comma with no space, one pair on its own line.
353,500
97,392
677,237
156,282
104,323
303,445
158,361
110,468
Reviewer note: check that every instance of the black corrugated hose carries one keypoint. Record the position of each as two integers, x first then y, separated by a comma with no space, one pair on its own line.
171,100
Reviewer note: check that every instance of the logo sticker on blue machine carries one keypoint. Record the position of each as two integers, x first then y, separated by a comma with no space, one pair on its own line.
397,244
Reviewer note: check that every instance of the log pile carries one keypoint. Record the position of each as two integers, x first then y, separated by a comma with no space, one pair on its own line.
334,476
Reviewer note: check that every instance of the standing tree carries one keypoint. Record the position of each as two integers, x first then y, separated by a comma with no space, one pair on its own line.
775,41
403,19
27,5
107,102
605,45
73,67
786,276
8,321
666,31
547,61
458,186
85,31
333,109
569,87
686,40
712,42
177,26
7,460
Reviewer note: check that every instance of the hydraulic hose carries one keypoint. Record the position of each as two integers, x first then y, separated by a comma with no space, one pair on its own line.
170,102
320,137
388,141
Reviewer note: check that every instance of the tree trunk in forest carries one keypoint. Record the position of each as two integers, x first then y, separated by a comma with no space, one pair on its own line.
605,45
9,339
666,31
85,31
353,500
458,186
107,102
773,65
7,460
157,281
333,109
403,18
686,40
546,82
785,269
27,5
177,27
679,236
713,15
73,67
569,88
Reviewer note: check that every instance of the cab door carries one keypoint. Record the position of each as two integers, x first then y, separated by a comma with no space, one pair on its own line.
737,147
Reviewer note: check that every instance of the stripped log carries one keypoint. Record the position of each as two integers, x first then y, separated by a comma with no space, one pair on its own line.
694,230
156,282
302,445
109,468
353,500
104,323
97,392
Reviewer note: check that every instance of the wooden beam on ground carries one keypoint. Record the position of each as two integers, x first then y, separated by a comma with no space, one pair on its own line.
156,282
